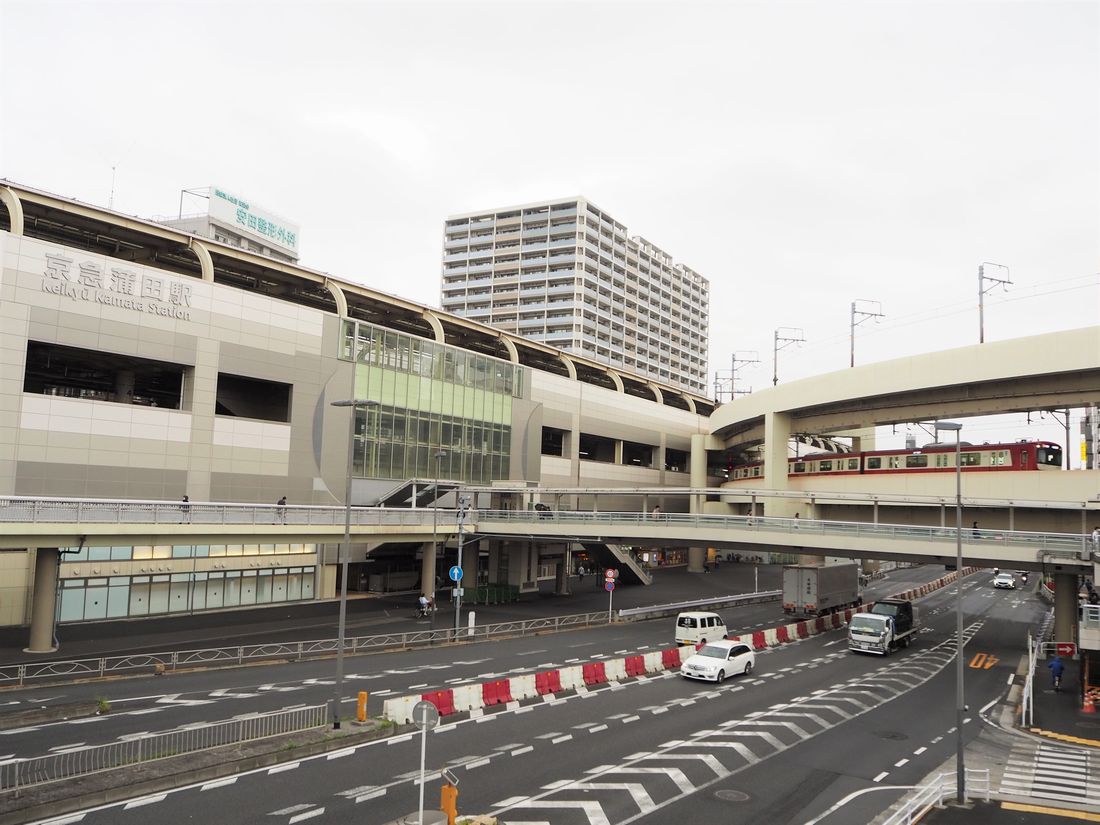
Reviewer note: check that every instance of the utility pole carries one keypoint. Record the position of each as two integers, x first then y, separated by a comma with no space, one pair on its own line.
723,378
982,289
784,337
863,316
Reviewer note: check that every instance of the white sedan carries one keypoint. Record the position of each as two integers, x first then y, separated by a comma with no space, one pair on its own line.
1005,580
717,660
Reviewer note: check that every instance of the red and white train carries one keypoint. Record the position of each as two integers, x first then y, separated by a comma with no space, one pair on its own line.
932,458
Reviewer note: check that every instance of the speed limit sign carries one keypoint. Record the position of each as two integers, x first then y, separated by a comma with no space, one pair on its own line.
611,574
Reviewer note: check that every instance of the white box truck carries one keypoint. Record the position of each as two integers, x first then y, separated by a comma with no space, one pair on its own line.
814,590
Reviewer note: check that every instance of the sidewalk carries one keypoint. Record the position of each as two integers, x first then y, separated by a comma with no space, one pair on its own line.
1059,716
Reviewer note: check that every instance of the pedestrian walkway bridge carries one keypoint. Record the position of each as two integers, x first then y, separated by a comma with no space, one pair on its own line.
34,522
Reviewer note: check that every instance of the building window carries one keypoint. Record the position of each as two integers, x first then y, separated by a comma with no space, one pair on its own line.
71,372
241,397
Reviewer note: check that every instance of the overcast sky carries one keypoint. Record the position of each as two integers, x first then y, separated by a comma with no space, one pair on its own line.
798,155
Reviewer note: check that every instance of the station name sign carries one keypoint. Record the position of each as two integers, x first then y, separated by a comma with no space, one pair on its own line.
89,281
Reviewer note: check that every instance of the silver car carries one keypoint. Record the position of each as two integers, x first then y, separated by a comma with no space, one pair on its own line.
1005,580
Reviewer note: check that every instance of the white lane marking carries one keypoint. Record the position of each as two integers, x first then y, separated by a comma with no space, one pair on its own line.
479,763
628,719
881,776
69,820
371,795
597,728
306,815
149,800
919,751
338,754
218,783
66,747
293,809
900,762
281,768
519,751
565,738
510,801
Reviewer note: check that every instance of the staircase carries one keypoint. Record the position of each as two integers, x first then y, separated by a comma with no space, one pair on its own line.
615,555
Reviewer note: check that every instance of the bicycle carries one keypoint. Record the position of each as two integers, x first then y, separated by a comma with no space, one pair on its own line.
424,611
1058,683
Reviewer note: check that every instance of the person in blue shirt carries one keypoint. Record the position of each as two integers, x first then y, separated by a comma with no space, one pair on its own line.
1056,668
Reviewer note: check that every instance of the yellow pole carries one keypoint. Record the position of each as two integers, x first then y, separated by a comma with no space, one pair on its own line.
448,802
361,709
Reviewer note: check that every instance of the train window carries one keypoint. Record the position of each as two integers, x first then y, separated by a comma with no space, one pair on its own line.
895,462
874,463
941,460
1051,456
916,460
1023,458
756,472
853,463
825,466
999,458
971,459
800,466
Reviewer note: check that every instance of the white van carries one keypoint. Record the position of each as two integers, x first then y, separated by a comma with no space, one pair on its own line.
693,628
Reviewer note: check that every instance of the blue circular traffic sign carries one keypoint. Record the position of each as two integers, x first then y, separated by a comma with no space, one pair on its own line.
609,586
455,573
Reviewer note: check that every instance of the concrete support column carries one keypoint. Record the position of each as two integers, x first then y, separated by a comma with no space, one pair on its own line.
698,476
1065,607
124,387
427,570
561,578
777,435
44,606
697,557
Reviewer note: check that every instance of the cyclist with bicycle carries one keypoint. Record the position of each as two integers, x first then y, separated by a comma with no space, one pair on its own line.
1056,669
424,606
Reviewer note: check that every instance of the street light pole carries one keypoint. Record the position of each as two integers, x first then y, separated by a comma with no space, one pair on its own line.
345,552
960,704
462,505
439,456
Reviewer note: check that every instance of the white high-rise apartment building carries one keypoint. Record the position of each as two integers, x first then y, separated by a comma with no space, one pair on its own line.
566,273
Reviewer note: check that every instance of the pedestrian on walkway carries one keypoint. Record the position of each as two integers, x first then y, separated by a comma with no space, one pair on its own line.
185,510
1056,669
580,574
1096,539
974,531
281,504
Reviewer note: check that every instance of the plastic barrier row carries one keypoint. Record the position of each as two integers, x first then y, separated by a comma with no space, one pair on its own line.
547,683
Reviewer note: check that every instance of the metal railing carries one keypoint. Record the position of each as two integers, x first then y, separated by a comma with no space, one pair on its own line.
26,509
932,795
718,601
36,672
149,747
21,509
1056,544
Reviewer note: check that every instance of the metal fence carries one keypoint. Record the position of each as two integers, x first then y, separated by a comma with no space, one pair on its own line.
23,509
718,601
916,805
1060,544
150,747
38,672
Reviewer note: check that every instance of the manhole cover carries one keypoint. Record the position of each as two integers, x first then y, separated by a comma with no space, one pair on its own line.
890,734
731,796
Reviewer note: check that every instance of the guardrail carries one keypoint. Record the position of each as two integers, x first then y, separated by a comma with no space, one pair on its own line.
1051,544
717,601
37,672
916,805
150,747
21,509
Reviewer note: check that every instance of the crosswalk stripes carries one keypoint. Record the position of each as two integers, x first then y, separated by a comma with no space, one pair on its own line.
1054,772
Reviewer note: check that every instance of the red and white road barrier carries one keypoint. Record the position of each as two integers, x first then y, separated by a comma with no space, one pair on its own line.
548,683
